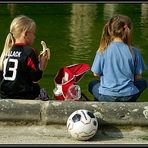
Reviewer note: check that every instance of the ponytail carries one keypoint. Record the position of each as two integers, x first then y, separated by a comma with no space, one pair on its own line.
128,38
10,41
105,39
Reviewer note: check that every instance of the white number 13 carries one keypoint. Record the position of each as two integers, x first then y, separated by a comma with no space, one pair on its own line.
13,69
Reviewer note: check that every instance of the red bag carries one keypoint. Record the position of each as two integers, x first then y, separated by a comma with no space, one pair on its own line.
65,81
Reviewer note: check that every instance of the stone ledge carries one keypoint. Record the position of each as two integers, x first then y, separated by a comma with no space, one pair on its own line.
57,112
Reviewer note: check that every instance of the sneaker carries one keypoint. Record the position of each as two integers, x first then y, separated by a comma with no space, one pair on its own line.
43,95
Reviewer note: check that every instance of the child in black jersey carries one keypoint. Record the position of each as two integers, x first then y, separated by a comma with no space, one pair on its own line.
21,66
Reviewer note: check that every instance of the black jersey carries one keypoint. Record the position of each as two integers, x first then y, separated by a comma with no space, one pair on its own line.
20,74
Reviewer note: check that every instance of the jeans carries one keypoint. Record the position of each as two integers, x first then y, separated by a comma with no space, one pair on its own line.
94,85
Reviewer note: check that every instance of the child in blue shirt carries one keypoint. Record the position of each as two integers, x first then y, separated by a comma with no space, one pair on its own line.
118,64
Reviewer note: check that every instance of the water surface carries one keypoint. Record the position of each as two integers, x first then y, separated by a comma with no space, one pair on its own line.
72,31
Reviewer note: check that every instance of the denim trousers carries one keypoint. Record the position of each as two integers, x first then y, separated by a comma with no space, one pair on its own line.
94,85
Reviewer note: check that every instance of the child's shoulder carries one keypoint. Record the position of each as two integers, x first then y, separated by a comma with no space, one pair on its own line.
29,49
135,49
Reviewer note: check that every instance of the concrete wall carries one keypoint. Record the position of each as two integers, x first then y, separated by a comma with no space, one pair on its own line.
57,112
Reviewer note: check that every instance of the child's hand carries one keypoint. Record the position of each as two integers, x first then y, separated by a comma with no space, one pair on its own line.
43,61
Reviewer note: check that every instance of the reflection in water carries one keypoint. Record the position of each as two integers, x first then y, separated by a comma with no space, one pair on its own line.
82,30
109,10
11,8
144,20
82,21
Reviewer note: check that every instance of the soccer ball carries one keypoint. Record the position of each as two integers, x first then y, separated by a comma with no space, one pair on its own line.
82,124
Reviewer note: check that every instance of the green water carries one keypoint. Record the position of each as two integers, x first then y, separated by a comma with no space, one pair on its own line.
72,32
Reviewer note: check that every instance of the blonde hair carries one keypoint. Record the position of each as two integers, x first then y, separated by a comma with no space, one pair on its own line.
18,25
118,26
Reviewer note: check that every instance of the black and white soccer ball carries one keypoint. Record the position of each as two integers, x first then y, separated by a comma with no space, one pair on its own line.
82,124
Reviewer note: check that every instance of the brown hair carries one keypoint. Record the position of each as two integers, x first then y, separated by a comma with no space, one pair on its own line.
118,26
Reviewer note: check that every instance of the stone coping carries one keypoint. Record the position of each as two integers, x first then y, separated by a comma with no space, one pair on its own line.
57,112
